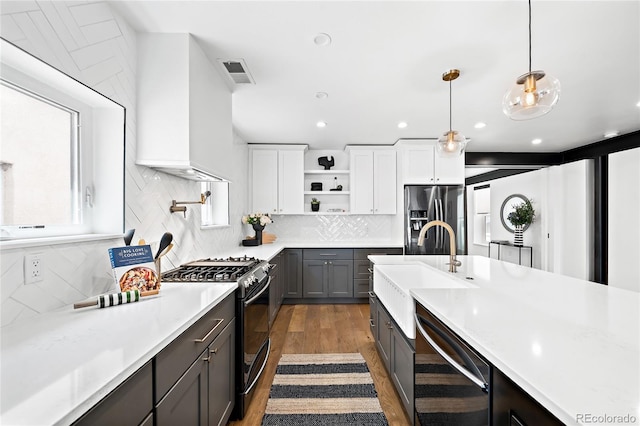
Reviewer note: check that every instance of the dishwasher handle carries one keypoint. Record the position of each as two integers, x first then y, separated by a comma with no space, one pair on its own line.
478,380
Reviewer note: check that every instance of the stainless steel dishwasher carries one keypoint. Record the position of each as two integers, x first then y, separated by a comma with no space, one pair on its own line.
451,380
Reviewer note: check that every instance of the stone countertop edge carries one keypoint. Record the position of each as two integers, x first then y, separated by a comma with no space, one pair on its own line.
55,375
510,318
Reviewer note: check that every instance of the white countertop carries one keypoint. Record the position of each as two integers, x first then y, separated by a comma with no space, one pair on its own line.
268,251
573,345
58,365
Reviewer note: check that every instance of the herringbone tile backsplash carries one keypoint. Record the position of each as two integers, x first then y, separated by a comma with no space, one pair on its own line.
94,45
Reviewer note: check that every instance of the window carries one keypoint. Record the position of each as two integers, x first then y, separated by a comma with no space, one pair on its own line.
61,153
215,210
39,148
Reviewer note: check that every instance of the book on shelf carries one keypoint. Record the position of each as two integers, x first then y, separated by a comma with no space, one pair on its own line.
133,268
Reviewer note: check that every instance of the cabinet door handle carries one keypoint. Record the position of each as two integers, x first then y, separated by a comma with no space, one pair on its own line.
214,351
370,270
328,254
372,295
207,359
371,323
218,322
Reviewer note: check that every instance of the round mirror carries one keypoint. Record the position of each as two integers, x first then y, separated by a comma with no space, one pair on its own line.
509,205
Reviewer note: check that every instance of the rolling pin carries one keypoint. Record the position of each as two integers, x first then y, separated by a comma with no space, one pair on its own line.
114,299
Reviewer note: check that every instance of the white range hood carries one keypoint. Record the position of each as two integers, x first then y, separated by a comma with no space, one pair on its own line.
184,110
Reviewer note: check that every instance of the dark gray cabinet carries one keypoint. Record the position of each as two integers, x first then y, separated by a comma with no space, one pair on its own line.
205,393
361,265
194,374
292,276
327,273
129,404
186,402
314,279
341,274
221,386
396,351
511,405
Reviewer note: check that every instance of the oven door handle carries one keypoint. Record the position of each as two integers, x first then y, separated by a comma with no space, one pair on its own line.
264,364
248,302
478,382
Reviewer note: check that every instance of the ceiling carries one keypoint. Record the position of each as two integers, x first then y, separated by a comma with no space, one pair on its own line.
386,60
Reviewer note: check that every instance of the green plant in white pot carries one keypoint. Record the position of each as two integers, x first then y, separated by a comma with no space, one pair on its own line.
315,205
522,215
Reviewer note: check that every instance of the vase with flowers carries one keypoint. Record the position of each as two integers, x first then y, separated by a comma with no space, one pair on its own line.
258,221
522,215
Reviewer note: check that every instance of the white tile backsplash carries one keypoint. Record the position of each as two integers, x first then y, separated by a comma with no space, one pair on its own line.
92,44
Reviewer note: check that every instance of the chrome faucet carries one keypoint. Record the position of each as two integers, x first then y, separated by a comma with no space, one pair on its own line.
453,262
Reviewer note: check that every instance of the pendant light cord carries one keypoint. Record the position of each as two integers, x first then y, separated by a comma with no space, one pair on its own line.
529,36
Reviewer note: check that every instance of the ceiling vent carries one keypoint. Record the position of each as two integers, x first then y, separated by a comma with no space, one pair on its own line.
237,70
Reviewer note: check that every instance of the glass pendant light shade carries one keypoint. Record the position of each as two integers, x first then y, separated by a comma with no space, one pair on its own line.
451,144
534,94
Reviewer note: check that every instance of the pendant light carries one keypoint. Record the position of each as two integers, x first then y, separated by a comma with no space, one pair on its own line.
534,94
452,143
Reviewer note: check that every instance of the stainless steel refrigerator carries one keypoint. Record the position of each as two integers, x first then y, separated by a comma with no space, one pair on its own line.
424,203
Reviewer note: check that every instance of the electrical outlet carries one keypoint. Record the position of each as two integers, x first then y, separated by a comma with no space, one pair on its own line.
32,268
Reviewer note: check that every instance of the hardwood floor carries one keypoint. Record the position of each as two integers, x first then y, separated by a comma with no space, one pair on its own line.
325,329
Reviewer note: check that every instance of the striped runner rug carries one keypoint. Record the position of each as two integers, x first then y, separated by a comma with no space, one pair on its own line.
323,389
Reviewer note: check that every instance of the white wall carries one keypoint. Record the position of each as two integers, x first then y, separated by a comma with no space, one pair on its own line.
570,220
624,220
533,186
561,235
97,47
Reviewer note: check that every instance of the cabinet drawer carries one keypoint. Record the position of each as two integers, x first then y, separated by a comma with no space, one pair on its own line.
362,253
361,269
176,358
128,404
327,254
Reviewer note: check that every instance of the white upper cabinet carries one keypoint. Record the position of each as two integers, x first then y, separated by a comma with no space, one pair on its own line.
184,109
277,179
373,181
421,164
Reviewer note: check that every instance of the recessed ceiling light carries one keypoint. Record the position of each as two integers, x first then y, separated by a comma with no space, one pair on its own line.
638,104
402,125
322,39
480,125
611,134
321,124
536,141
322,95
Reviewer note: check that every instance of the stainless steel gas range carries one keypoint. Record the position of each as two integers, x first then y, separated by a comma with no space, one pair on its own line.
252,314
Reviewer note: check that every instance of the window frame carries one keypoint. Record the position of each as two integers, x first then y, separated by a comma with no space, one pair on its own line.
101,149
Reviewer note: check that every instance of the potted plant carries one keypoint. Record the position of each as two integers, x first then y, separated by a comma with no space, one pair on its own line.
315,205
522,215
258,221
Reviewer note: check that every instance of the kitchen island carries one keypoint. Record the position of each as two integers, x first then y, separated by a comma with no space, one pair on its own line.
570,344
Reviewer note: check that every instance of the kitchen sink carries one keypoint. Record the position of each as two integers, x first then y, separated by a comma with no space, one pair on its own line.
392,283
